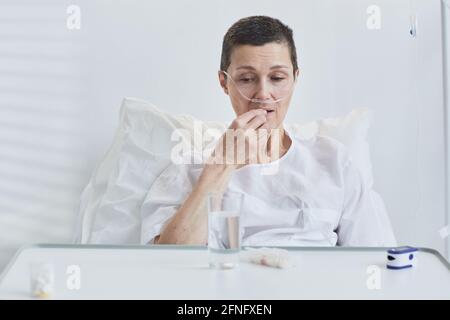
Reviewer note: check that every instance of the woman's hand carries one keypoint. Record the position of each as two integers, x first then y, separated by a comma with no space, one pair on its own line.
246,138
244,142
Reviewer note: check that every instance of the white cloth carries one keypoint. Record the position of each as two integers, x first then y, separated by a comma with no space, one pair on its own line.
316,198
110,207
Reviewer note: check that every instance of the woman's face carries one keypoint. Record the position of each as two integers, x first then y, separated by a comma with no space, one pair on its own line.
262,73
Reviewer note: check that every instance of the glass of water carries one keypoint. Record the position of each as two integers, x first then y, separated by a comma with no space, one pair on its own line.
224,233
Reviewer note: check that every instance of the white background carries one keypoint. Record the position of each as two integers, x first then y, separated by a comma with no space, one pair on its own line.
60,92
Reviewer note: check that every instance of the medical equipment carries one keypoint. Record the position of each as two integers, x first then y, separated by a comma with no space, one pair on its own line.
280,87
401,258
270,257
42,278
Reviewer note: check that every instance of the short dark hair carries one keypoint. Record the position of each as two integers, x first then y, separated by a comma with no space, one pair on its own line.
257,31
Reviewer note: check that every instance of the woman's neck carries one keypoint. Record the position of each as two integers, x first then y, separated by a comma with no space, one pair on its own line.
280,148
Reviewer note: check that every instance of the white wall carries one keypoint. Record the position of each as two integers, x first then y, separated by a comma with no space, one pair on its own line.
60,92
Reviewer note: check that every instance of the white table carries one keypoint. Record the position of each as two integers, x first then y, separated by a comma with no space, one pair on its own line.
174,272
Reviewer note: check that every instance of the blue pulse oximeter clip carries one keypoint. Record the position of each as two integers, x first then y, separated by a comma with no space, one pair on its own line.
401,258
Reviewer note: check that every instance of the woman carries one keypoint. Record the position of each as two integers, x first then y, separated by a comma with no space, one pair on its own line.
315,197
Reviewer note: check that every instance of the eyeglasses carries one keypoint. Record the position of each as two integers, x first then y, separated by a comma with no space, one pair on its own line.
280,87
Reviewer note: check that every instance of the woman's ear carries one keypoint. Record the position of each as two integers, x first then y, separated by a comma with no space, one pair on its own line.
297,73
223,82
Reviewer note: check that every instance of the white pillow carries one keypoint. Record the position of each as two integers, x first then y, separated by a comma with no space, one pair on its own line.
351,130
142,148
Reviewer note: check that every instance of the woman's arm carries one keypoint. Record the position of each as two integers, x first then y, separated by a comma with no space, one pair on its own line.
189,225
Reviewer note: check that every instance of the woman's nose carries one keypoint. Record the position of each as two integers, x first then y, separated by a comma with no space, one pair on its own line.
263,90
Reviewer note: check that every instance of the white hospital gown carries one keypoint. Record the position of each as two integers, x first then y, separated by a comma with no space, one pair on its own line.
312,196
